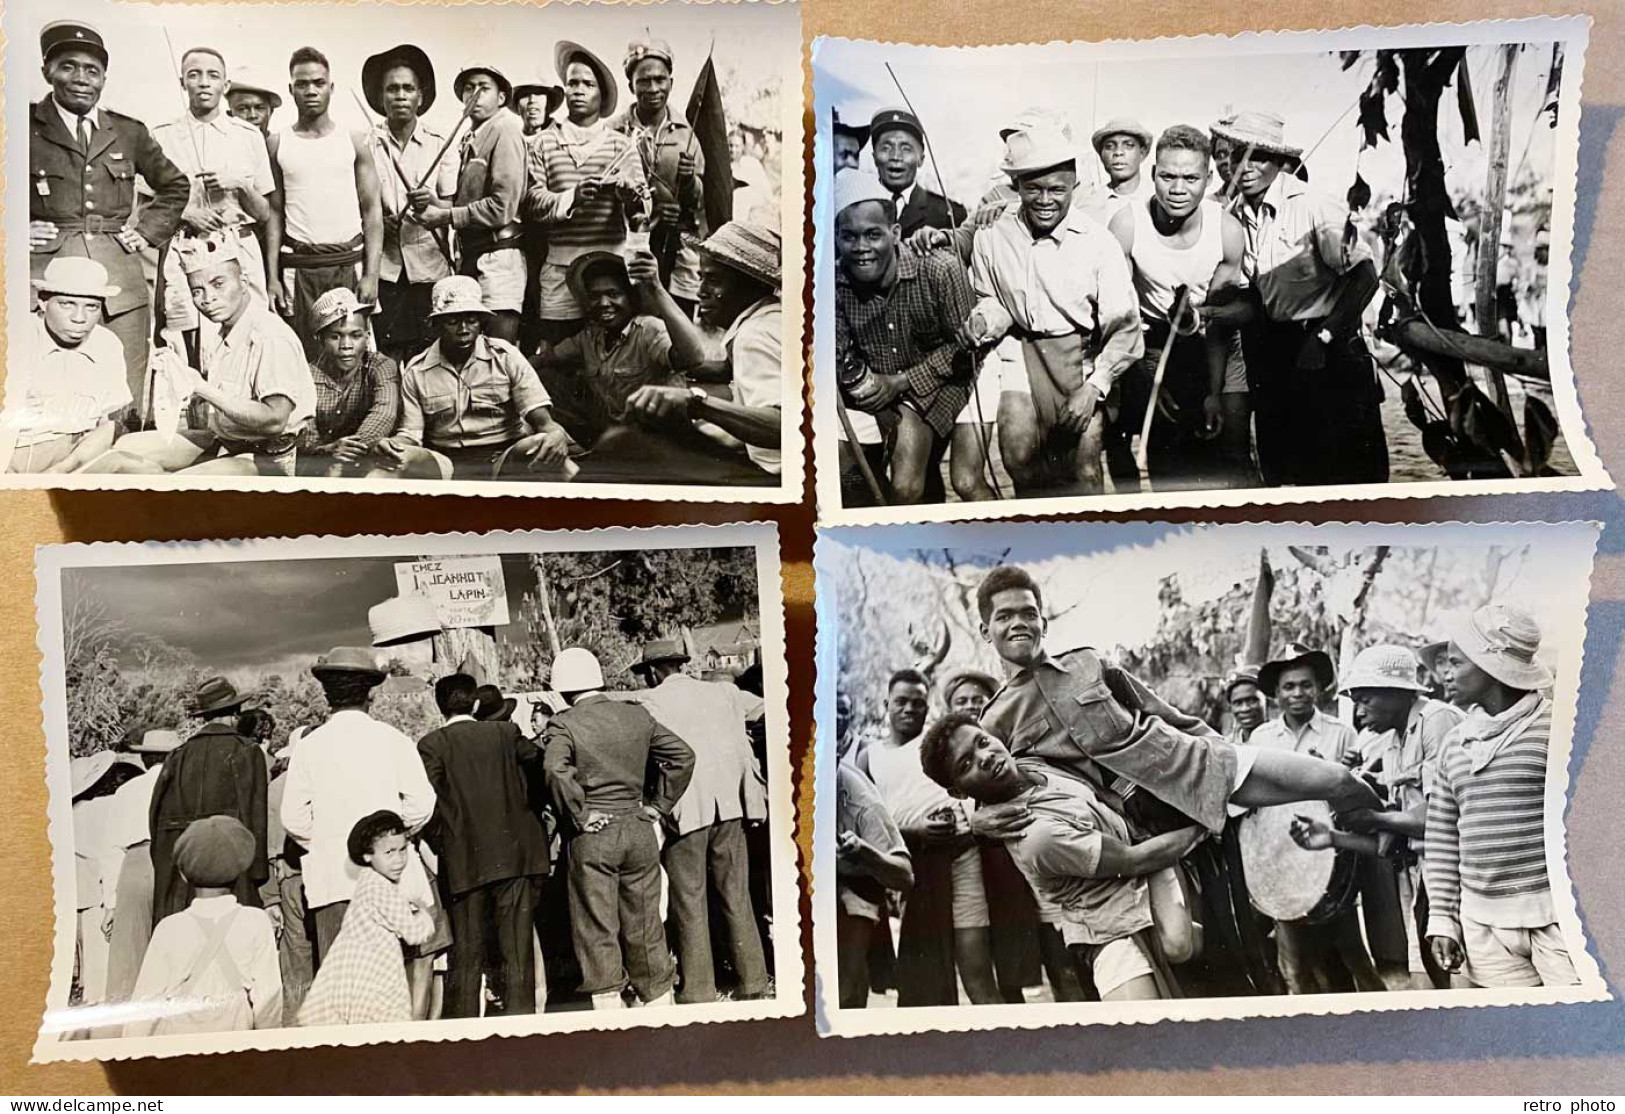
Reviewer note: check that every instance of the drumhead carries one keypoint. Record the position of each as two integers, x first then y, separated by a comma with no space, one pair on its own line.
1285,881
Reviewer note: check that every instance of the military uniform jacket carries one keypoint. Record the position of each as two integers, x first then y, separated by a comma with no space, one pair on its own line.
89,198
1078,712
929,210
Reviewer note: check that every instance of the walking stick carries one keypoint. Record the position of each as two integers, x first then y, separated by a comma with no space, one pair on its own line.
1143,452
444,147
434,233
857,451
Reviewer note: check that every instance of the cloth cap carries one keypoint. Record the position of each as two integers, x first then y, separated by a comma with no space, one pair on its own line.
576,670
1384,666
244,80
401,619
662,650
893,119
77,276
1121,125
414,59
157,741
639,49
1037,148
968,676
348,659
576,277
216,694
853,187
1298,654
199,253
608,88
65,34
335,305
473,68
214,851
456,294
1503,642
1262,131
751,249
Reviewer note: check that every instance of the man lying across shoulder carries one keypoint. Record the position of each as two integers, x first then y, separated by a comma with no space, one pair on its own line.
1122,913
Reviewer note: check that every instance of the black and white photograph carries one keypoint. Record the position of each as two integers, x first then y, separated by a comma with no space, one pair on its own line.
1105,773
1279,267
473,248
440,787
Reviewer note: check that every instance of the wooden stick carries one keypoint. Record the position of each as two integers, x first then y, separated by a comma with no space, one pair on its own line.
857,450
434,234
1142,454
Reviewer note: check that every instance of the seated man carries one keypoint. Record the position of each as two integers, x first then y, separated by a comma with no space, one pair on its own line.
471,405
358,390
1079,857
739,294
76,386
258,396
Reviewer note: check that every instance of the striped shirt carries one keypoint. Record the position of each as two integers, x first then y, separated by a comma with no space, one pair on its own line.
1486,833
562,156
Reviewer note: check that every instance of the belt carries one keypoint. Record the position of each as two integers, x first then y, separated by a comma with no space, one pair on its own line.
91,225
480,244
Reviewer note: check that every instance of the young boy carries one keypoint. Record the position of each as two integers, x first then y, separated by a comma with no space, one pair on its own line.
1077,856
213,967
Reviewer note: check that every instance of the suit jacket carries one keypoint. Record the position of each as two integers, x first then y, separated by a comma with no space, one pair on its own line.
930,210
483,828
89,198
216,772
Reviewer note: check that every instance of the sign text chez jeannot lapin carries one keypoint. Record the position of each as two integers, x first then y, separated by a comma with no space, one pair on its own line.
465,591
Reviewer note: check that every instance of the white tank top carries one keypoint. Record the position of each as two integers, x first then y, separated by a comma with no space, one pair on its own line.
320,205
908,793
1160,268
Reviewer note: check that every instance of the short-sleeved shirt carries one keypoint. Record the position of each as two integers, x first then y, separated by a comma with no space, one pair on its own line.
1059,854
1298,246
411,254
258,358
859,809
482,403
615,366
1322,736
755,343
233,149
72,390
365,404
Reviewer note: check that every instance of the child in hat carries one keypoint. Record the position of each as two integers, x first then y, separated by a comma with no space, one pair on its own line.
211,968
362,980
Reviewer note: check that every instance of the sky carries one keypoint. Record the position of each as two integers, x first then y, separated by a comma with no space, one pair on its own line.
964,96
754,39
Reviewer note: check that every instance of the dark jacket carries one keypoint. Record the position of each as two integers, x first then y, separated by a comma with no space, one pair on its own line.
930,210
216,772
89,199
612,756
483,829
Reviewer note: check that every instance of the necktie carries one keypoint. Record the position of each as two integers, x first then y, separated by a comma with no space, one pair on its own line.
898,202
84,136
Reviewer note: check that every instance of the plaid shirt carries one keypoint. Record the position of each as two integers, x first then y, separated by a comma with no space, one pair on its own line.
366,404
909,330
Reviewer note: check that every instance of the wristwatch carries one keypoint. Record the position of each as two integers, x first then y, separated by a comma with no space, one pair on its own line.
1325,337
697,398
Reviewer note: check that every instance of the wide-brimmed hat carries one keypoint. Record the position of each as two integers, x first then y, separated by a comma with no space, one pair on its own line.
639,49
480,67
216,694
335,305
489,703
214,851
157,741
456,294
860,132
1384,666
71,34
1041,147
660,651
241,79
576,670
375,67
754,250
1298,654
86,772
1262,131
1503,642
554,95
76,276
1036,116
1430,654
963,676
608,88
576,277
402,619
853,187
895,119
347,659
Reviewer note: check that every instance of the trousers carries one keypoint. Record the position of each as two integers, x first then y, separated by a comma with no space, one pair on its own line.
713,856
615,909
491,929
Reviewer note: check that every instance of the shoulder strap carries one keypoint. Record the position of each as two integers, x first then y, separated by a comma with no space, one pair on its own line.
213,951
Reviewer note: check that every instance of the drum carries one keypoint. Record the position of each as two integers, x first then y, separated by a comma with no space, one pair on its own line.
1287,882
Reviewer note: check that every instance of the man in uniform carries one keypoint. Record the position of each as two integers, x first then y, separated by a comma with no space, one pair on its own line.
898,138
399,85
82,165
251,101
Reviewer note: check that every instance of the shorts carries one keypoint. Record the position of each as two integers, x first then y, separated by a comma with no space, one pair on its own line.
501,272
1115,962
43,454
1245,757
554,301
1516,956
970,897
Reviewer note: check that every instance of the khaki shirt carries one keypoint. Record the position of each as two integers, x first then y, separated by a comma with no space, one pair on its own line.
411,254
482,403
233,149
259,358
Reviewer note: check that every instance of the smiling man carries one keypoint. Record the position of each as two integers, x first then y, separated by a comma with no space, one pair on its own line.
898,141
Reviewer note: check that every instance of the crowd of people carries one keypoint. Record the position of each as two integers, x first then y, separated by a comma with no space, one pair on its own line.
1070,830
1193,323
536,295
611,855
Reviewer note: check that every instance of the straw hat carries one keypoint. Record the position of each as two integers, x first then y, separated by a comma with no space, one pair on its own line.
1262,131
157,741
1036,116
75,276
86,772
853,187
576,670
751,249
1384,666
402,619
1502,641
608,88
1121,125
1298,654
413,58
1041,147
